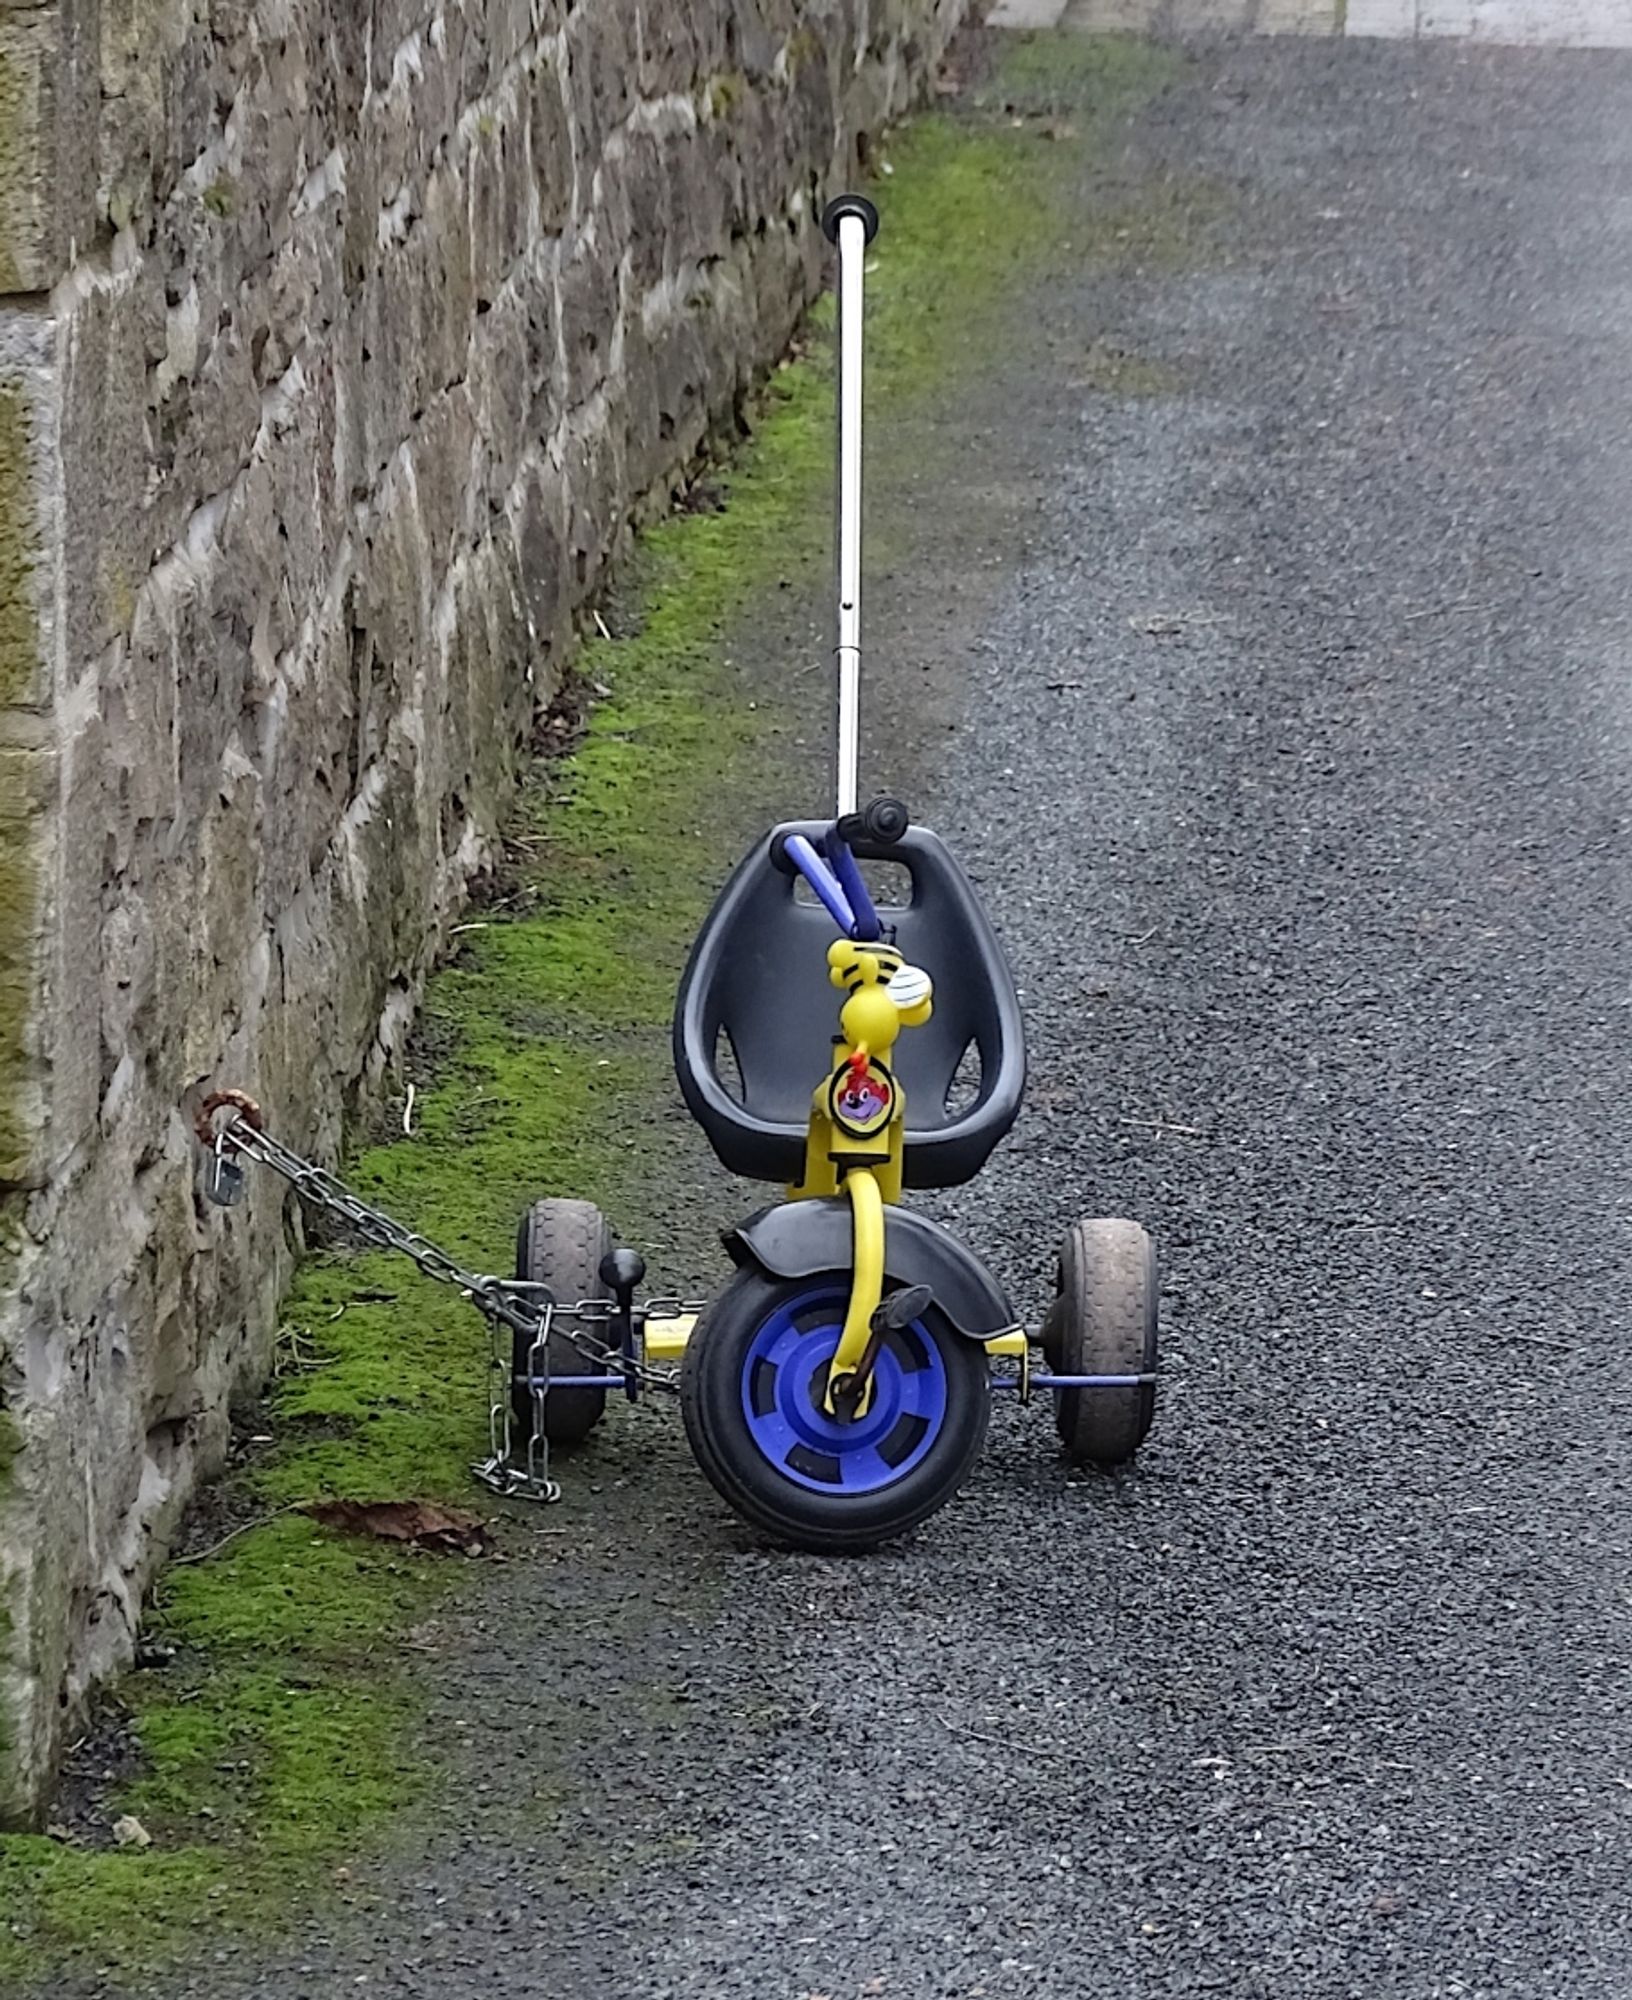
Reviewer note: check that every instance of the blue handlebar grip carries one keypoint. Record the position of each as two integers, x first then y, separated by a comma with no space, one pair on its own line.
816,872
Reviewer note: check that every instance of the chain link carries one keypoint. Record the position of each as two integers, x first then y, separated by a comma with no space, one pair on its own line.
510,1307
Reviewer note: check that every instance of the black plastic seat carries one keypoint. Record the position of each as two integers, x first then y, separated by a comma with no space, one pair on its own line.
757,981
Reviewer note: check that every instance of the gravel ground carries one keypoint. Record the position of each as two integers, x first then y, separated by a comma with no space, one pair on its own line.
1284,717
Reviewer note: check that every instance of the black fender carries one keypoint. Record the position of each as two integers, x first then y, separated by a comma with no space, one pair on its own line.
798,1239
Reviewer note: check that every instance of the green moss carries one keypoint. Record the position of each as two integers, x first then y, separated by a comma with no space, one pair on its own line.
1104,76
220,197
278,1738
725,92
290,1588
252,1780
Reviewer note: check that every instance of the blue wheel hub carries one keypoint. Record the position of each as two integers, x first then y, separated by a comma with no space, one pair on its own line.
784,1381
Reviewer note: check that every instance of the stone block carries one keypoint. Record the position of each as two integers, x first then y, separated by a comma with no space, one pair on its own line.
279,143
48,139
601,74
103,445
538,528
133,158
589,305
393,24
500,197
699,171
21,911
647,204
549,145
444,457
507,360
72,1042
22,662
510,34
388,382
449,277
668,55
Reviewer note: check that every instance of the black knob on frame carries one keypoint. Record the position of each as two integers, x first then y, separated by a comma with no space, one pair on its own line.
621,1271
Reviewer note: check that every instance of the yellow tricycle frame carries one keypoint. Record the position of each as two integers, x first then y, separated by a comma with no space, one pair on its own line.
858,1122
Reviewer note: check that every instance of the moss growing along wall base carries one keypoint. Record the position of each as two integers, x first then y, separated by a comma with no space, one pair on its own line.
274,1747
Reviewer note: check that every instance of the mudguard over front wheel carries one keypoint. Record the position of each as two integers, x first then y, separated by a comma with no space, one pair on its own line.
798,1239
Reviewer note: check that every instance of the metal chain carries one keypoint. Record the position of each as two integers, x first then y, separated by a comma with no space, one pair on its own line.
508,1305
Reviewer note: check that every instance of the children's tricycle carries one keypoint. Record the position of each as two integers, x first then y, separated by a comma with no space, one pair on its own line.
836,1390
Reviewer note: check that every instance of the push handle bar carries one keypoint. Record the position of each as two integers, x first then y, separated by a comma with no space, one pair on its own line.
850,223
849,204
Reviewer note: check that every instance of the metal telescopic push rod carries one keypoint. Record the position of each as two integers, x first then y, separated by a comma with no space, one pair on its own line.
850,223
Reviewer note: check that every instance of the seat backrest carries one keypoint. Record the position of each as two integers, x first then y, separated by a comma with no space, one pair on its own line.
756,1019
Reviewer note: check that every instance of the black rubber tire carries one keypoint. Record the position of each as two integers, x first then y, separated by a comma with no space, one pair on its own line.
1103,1322
711,1404
560,1244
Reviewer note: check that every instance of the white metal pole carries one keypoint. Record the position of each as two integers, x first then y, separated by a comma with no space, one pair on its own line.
852,257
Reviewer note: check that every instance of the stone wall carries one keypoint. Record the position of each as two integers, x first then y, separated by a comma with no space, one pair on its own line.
340,341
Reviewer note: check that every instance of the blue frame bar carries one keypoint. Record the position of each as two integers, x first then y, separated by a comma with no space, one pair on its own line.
821,878
1041,1381
1038,1381
865,927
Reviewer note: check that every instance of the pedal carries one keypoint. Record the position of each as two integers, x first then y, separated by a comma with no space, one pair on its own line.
852,1394
901,1308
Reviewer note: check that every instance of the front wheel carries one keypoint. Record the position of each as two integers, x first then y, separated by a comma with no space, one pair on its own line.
752,1390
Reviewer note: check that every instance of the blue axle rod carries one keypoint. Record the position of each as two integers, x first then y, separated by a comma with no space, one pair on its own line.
997,1381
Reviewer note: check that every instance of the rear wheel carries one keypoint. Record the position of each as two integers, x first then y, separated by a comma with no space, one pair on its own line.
560,1244
1103,1322
752,1392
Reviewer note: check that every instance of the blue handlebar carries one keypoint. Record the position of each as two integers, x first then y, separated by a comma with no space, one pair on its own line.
816,872
865,927
839,887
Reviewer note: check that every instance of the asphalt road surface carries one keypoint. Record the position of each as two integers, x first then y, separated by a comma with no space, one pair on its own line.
1284,712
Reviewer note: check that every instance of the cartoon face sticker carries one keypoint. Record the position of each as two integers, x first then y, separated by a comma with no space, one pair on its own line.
860,1106
861,1098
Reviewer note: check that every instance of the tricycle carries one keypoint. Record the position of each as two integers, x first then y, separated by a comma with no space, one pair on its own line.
836,1389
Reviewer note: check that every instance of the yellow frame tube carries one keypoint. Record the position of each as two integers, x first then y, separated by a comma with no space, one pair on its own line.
867,1270
664,1340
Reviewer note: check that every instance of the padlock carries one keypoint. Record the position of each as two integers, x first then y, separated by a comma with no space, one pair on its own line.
225,1186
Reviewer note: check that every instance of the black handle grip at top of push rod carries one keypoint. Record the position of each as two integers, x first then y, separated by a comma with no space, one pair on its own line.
849,204
883,823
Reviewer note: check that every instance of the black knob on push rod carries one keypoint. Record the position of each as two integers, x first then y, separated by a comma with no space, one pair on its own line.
849,204
880,824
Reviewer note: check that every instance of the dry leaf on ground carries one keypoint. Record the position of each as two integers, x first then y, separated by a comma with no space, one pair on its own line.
422,1523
